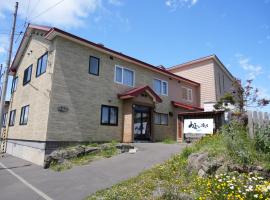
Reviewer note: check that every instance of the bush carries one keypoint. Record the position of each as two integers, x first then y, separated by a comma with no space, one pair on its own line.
240,148
262,139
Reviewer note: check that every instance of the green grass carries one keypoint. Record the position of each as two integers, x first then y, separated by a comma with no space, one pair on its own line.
107,152
172,177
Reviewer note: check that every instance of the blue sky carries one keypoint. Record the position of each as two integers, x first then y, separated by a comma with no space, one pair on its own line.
166,32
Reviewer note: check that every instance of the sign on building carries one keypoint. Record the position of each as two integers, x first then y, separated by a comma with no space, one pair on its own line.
198,126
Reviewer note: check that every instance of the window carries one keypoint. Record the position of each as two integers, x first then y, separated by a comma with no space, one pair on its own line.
42,64
161,119
109,115
124,76
12,115
24,115
4,120
14,84
187,94
94,65
161,87
27,75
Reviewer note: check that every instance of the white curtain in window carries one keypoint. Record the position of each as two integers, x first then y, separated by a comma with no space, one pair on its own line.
128,77
164,88
157,86
118,74
113,115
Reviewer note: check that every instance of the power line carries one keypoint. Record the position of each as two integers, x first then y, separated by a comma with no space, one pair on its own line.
27,13
18,37
46,10
34,7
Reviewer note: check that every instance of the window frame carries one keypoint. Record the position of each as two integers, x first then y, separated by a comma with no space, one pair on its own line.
41,58
109,115
122,75
159,115
23,113
13,89
89,71
9,122
161,82
30,67
188,89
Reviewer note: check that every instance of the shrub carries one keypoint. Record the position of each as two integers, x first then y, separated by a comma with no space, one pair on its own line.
262,139
240,148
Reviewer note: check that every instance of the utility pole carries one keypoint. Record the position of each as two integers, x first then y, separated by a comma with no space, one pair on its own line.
6,71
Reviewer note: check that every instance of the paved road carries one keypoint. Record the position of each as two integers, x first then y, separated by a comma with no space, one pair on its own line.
20,179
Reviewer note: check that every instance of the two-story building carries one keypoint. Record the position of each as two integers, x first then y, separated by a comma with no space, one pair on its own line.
214,78
69,90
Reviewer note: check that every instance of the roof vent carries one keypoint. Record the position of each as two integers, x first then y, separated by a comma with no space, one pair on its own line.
161,67
100,44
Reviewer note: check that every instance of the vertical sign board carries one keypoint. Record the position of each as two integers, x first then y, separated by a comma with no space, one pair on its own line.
199,126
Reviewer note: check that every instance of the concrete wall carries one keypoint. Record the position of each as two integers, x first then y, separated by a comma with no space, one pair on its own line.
36,94
204,74
84,94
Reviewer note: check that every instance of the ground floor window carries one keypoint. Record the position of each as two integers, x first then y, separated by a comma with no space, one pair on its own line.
12,118
109,115
24,115
161,119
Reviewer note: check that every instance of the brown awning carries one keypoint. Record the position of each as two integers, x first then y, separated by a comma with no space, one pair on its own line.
185,106
139,90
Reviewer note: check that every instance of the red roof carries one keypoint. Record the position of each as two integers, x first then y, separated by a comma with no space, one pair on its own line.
136,91
185,106
51,32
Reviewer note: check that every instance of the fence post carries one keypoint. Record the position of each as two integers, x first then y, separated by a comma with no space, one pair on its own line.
250,124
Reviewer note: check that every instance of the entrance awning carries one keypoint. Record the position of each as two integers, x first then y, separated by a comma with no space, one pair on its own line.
185,106
139,90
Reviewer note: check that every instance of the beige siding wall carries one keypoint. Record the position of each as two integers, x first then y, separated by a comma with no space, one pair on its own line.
204,74
36,93
84,94
223,81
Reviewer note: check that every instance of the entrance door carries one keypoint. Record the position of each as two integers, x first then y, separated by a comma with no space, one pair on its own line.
142,123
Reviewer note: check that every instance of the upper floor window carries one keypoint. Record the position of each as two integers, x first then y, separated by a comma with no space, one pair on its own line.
24,115
161,87
161,119
12,116
109,115
42,64
187,94
124,76
14,84
27,75
94,65
4,120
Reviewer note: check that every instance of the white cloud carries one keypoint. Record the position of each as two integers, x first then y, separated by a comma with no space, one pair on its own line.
253,70
65,13
180,3
3,44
